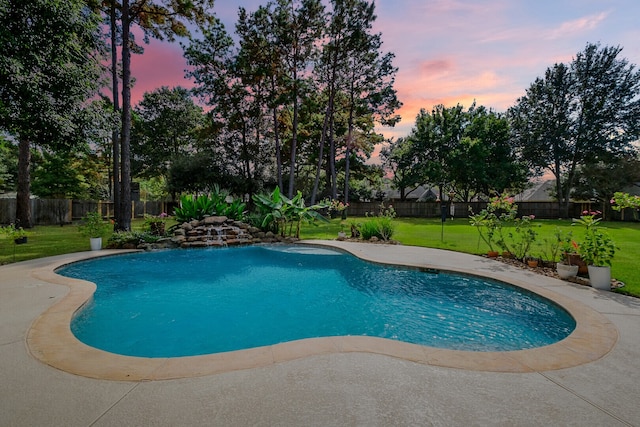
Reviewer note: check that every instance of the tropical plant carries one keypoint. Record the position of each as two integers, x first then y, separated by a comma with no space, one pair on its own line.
193,208
280,213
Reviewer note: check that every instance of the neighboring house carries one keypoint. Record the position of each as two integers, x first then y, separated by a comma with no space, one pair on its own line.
538,192
634,189
419,194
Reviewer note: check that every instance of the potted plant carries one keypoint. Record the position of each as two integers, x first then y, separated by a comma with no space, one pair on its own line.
597,250
565,247
17,234
94,228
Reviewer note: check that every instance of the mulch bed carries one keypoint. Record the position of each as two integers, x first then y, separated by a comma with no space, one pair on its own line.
541,269
551,272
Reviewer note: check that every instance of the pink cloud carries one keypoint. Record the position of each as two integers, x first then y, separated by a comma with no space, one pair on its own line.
162,64
436,66
580,25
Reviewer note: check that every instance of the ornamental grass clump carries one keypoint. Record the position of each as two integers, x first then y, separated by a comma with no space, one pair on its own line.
380,226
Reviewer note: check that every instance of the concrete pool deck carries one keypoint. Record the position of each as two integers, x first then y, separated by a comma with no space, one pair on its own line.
591,378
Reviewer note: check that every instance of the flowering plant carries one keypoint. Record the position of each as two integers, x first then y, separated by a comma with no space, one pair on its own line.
500,211
621,201
335,207
597,248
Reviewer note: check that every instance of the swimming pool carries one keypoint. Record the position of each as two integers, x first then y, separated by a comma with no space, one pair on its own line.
191,302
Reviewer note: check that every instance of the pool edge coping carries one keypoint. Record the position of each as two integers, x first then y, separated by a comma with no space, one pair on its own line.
51,341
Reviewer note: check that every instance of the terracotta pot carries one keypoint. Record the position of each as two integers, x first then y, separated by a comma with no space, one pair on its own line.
492,254
532,263
507,254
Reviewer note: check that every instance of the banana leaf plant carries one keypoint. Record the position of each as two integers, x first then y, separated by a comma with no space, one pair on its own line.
278,209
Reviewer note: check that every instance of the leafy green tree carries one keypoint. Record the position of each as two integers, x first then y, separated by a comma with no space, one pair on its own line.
578,113
228,81
8,165
260,63
49,68
197,173
435,138
399,159
371,96
485,162
600,180
167,125
297,25
58,176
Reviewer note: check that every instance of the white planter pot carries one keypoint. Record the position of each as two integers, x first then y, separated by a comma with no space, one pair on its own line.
600,277
566,271
96,243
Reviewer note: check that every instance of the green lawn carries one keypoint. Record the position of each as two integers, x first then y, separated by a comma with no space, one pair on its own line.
456,235
43,241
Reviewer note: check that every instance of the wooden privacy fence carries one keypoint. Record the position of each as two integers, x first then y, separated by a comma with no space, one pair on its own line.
541,210
59,211
50,211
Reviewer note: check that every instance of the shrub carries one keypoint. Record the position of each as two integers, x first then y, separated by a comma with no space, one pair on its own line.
381,226
121,238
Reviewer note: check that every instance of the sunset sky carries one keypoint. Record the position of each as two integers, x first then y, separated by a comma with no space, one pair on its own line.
454,51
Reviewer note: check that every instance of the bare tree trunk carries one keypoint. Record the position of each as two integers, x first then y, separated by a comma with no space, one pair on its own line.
325,125
276,137
294,138
125,201
23,203
115,140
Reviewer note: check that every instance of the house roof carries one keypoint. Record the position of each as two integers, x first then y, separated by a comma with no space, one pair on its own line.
539,192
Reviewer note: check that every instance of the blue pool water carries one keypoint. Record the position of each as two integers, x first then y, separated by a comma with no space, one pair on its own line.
192,302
